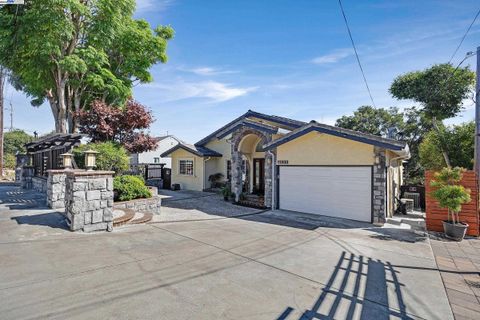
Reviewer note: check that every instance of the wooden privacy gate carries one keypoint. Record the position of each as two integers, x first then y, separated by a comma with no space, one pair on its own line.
469,214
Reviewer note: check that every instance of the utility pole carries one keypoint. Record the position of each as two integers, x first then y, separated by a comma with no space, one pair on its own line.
477,117
2,86
11,117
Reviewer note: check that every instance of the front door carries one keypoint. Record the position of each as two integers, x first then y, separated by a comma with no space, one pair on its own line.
259,176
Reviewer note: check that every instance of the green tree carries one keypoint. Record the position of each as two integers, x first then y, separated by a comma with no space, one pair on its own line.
368,119
411,125
440,90
460,144
71,52
111,156
14,141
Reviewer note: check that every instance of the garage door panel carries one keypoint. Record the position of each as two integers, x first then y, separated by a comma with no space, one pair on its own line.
343,192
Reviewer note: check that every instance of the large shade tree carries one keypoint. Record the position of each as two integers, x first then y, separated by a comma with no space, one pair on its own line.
440,90
410,125
72,52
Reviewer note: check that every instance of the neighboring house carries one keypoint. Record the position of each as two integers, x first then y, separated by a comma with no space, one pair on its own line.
164,143
298,166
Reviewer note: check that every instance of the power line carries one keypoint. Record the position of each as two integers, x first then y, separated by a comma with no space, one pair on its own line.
356,53
464,36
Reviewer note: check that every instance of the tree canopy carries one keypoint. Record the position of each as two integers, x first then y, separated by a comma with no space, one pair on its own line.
123,124
460,143
439,89
14,141
372,120
72,52
411,125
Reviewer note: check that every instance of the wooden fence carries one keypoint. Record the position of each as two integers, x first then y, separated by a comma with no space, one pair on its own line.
469,214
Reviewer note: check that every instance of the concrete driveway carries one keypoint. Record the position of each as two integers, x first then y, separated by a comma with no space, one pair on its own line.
270,265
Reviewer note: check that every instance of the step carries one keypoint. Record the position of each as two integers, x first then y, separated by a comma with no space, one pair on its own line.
128,214
141,217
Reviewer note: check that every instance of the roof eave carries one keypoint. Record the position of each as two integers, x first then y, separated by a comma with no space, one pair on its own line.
311,128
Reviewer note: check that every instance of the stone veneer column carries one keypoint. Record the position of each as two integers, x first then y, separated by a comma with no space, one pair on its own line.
26,176
89,200
268,179
236,173
379,186
56,189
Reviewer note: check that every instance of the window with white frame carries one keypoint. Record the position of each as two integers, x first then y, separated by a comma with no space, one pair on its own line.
185,167
156,160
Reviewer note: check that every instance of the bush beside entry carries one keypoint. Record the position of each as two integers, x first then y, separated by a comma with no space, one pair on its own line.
451,195
130,187
111,156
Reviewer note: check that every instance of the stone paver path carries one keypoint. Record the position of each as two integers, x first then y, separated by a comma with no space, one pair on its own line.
459,265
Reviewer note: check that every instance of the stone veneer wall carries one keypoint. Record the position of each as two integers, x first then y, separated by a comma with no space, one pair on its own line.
56,189
379,186
141,205
89,200
39,184
237,137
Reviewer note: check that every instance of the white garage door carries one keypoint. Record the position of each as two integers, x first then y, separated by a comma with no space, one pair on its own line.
344,192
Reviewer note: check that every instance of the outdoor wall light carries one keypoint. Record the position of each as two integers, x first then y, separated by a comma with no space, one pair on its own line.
90,158
67,160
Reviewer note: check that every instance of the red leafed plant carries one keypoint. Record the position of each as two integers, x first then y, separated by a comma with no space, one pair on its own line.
125,125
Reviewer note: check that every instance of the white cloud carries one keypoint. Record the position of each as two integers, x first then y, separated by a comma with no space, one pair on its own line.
211,90
208,71
333,57
153,5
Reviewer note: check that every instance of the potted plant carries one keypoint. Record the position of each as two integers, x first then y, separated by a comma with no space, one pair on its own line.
451,195
226,192
215,179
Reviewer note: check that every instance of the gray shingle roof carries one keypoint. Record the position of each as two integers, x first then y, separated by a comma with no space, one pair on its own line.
196,150
391,144
290,123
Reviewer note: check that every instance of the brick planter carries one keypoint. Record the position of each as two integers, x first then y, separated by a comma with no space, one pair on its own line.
469,214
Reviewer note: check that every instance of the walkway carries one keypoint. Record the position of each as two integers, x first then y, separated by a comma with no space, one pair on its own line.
459,263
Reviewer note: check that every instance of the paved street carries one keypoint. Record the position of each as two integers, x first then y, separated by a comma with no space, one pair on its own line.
266,265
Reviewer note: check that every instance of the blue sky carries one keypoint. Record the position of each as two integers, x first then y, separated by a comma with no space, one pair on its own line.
291,58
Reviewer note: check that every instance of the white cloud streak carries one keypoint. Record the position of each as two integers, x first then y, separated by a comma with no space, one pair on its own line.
333,57
208,71
210,90
153,5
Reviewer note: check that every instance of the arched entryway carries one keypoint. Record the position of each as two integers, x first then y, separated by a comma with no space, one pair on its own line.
251,165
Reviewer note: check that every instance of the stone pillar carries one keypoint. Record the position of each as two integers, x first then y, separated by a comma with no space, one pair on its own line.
236,173
26,176
89,200
56,188
268,179
379,186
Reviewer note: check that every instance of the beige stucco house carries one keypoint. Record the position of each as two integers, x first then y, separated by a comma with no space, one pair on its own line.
297,166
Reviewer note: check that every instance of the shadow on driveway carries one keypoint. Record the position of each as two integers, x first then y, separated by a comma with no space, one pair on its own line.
358,288
52,220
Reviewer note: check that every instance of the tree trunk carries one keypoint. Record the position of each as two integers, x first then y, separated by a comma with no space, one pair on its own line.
58,116
442,143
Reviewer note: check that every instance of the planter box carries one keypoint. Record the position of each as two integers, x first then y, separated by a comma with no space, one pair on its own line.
469,214
152,204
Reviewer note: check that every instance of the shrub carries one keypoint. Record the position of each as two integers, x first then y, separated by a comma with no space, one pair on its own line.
111,156
130,187
9,161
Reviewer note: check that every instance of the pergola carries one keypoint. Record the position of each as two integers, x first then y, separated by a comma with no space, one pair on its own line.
45,153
